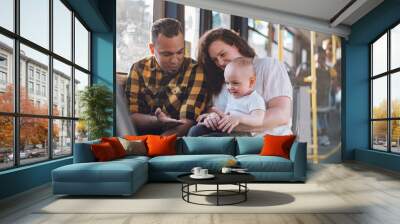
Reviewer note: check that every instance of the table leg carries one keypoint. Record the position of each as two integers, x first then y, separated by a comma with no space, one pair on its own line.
182,190
245,191
188,189
196,188
217,194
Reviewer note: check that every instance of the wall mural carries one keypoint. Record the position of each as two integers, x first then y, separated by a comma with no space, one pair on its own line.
293,76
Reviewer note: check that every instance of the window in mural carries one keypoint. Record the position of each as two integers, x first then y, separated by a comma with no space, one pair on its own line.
134,18
221,20
192,28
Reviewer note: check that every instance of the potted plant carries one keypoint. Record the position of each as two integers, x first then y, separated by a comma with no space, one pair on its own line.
96,103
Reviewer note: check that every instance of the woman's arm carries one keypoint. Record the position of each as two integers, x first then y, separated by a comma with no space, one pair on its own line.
278,113
254,119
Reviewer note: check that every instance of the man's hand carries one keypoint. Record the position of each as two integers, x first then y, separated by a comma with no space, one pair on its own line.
165,121
228,123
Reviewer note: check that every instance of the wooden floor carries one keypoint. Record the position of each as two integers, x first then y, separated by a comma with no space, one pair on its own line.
377,188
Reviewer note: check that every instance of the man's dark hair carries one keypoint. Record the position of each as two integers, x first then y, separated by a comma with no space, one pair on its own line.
167,26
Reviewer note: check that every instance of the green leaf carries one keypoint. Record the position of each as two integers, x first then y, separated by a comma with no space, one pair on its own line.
96,102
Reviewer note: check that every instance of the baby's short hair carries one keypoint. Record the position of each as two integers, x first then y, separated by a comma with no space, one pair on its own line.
243,62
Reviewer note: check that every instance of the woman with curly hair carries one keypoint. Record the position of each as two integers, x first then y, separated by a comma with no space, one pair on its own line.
217,48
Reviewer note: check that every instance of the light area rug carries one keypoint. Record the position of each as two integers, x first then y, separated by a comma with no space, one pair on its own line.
166,198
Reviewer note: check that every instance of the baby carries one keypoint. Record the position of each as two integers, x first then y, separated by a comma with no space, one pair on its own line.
244,105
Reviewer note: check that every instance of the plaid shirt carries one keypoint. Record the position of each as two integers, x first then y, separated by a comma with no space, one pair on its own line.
181,95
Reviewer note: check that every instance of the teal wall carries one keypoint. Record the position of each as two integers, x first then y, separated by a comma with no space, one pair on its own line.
24,178
103,52
102,58
380,159
99,16
356,85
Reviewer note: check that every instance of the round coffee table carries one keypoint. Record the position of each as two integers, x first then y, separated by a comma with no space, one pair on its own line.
238,179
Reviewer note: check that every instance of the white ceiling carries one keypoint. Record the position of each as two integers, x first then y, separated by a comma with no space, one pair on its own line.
313,15
319,9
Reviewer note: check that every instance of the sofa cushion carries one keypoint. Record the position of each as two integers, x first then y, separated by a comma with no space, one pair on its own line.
134,147
257,163
161,145
116,145
249,145
103,151
136,137
185,163
277,145
133,158
207,145
112,171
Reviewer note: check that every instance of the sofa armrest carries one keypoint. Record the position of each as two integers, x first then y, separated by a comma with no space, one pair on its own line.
83,152
298,155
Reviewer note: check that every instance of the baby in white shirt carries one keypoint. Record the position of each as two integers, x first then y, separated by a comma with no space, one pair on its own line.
244,106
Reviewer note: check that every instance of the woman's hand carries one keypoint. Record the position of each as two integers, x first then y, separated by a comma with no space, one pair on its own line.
228,123
211,121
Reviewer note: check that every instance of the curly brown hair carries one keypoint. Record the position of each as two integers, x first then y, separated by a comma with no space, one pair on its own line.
213,74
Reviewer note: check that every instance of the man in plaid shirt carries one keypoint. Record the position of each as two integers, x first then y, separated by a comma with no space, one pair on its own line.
166,91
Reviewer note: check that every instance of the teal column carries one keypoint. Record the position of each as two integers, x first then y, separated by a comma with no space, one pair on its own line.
356,109
103,63
103,59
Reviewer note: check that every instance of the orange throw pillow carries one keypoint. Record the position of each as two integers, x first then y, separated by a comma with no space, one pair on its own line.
277,145
161,145
116,145
103,152
136,137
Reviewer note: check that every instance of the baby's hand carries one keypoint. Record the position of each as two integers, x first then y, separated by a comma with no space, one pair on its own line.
228,123
201,117
211,121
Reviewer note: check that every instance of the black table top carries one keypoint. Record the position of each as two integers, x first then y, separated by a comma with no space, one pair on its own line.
220,178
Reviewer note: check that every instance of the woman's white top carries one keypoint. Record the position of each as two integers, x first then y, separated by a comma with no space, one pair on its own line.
272,81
